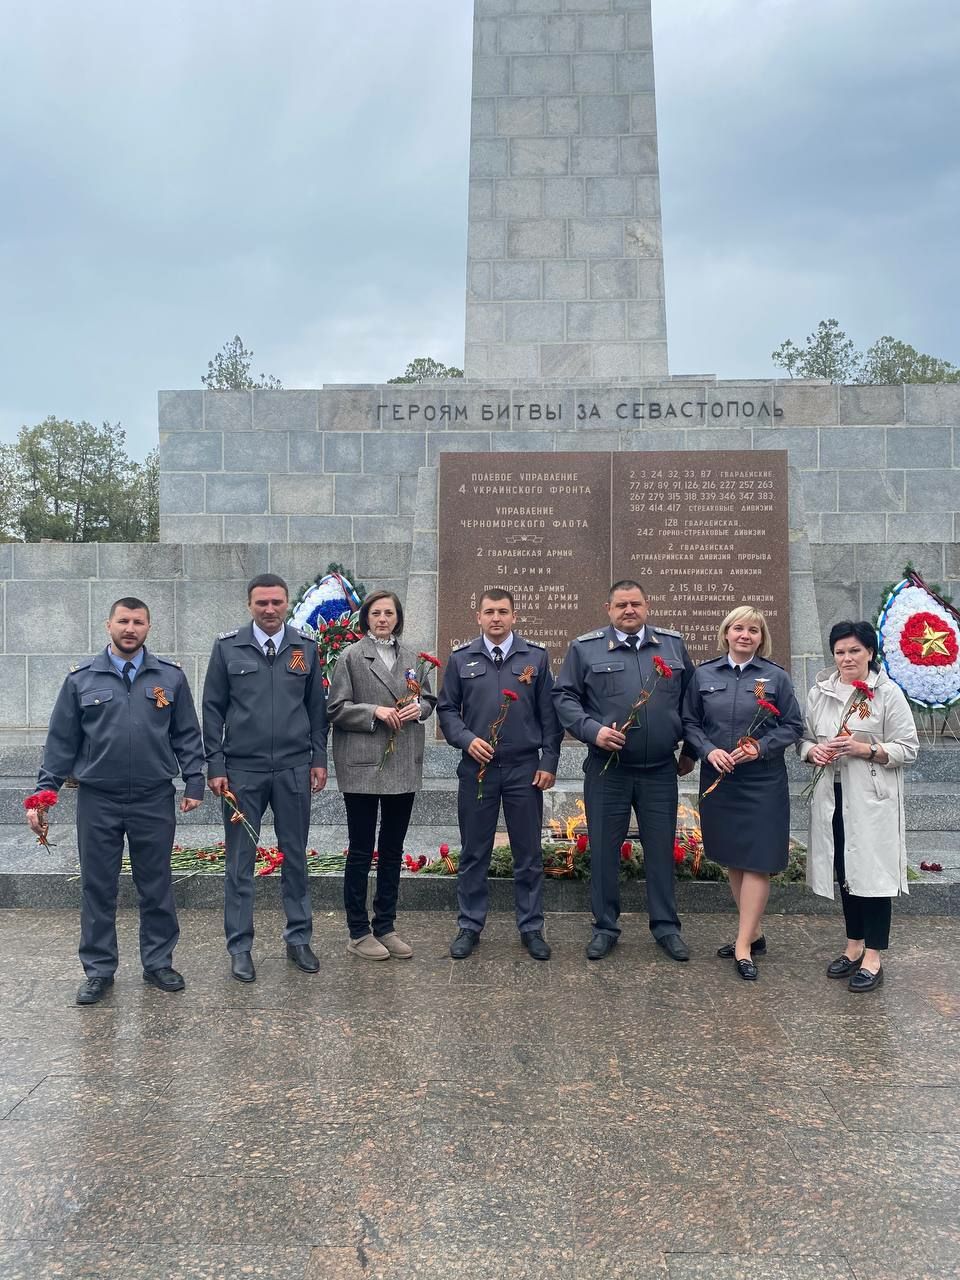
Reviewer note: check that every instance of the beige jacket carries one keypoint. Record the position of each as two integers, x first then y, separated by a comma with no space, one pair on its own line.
360,683
875,853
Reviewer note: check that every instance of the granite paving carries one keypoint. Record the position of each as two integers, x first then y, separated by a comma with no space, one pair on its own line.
628,1120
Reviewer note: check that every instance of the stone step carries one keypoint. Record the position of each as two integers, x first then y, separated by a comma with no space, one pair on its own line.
934,764
930,806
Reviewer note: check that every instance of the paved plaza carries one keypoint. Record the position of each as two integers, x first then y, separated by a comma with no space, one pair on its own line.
492,1118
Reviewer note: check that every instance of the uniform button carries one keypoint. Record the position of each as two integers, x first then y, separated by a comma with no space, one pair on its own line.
96,702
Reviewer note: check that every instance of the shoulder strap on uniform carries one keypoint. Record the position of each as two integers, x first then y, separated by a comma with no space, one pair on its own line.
534,644
665,631
227,635
591,635
80,666
465,645
774,664
170,662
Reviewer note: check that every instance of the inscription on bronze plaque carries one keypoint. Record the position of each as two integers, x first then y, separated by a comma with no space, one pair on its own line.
702,531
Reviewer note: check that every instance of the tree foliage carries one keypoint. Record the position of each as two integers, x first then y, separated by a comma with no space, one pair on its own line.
73,482
229,370
829,353
426,369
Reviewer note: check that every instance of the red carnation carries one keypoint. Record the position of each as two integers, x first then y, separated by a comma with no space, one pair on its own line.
679,852
768,706
47,797
421,861
428,657
508,693
444,850
582,843
626,850
663,668
864,688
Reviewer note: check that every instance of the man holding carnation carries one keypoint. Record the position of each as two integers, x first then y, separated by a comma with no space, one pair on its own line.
124,725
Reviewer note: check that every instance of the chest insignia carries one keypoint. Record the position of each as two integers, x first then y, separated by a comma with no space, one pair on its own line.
759,687
160,699
297,661
526,675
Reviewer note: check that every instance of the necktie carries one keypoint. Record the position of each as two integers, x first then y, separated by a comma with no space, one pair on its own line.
127,678
270,649
633,641
497,656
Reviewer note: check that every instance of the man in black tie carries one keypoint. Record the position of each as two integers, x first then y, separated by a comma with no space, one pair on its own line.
265,737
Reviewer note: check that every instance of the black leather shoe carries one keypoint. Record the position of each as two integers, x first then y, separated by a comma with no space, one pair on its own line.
464,943
302,957
747,970
600,945
842,967
536,944
674,946
92,990
864,980
241,966
729,951
164,979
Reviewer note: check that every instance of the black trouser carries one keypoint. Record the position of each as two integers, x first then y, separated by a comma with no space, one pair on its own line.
866,918
362,829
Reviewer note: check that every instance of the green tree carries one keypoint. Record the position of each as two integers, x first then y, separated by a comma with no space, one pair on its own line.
830,354
74,482
229,370
426,369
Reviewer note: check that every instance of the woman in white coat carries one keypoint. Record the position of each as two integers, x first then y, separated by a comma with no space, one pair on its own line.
860,732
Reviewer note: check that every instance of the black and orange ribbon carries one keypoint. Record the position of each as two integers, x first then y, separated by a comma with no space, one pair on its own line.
297,661
160,699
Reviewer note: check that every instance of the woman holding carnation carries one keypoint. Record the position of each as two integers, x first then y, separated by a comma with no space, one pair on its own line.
859,735
379,698
740,714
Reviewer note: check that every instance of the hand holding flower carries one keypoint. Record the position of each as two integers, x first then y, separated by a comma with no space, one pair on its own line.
722,761
610,738
389,715
409,711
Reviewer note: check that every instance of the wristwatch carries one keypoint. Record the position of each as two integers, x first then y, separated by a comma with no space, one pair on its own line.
873,752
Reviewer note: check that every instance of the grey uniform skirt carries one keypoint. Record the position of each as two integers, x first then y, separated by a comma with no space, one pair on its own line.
746,821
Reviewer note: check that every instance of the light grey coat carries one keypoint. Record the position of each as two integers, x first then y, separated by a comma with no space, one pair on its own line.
361,682
875,853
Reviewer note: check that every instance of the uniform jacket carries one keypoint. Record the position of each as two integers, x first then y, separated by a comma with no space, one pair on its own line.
118,741
600,681
471,698
263,717
875,846
361,682
719,707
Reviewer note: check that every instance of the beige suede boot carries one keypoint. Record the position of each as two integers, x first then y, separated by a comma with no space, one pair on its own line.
396,946
367,948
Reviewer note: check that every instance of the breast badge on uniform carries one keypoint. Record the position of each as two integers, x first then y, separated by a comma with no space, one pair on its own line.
160,699
297,661
526,675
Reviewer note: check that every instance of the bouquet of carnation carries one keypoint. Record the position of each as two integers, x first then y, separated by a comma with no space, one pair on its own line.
859,706
414,679
661,671
328,614
39,803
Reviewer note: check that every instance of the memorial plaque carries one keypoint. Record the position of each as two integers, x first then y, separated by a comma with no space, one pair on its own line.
703,532
534,524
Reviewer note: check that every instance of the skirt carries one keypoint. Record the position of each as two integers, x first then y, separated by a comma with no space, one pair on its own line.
746,821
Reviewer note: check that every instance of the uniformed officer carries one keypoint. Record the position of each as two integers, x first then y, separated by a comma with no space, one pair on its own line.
124,726
265,737
602,678
522,767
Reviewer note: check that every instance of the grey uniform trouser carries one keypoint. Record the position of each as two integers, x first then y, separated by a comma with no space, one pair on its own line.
609,798
287,792
147,817
511,785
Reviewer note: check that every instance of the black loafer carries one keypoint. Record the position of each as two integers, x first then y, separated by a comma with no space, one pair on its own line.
536,944
864,980
164,979
302,957
241,966
92,990
600,945
747,970
729,951
842,967
674,946
464,943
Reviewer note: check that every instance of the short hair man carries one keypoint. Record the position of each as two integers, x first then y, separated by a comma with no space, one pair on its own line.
265,737
517,772
124,725
602,678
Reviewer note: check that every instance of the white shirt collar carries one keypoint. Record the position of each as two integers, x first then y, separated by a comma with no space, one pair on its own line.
622,635
505,645
741,665
261,637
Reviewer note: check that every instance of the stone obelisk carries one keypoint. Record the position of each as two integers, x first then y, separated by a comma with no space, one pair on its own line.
565,256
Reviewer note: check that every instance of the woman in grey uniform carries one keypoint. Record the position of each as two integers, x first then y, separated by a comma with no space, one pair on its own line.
744,797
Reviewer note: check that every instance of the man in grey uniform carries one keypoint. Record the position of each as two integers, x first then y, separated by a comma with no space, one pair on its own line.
523,766
124,726
265,737
602,678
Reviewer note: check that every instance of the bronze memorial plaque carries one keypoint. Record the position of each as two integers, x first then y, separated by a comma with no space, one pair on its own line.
536,524
703,532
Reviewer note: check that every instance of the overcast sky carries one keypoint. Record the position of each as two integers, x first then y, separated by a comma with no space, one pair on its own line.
296,172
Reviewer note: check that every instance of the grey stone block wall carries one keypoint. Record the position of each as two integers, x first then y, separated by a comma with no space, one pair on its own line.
564,212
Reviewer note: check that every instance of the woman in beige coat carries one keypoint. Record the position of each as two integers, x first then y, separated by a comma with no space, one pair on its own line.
368,682
856,812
